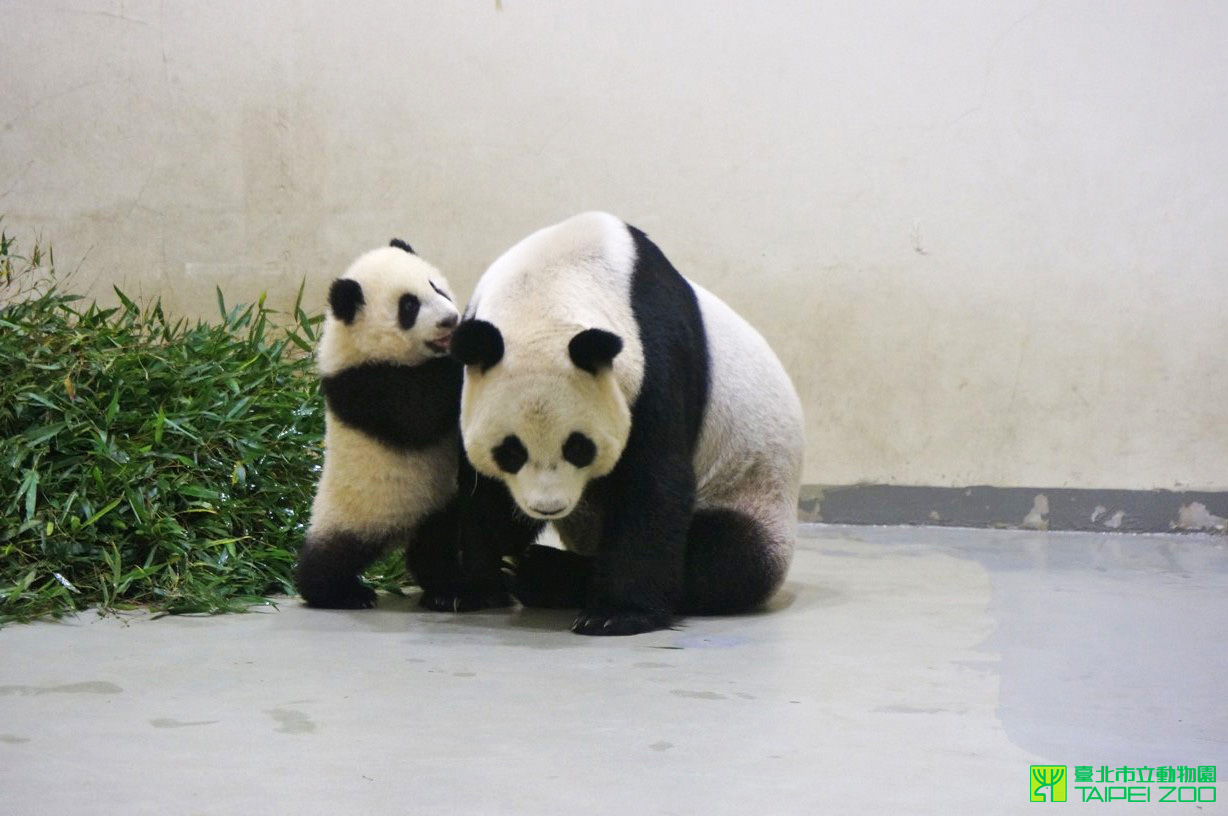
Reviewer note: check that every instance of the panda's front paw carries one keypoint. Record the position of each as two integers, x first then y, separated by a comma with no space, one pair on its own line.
464,599
351,594
597,622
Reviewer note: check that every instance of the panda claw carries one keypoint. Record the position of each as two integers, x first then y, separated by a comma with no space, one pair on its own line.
463,600
619,623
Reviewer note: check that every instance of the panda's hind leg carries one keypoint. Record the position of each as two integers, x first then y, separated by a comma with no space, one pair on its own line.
329,566
734,562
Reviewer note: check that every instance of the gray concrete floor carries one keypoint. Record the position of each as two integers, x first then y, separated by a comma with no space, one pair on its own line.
901,670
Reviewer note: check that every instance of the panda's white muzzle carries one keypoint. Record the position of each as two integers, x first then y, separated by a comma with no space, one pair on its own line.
546,493
553,511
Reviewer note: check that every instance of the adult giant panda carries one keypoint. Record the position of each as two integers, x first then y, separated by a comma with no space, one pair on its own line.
392,399
635,411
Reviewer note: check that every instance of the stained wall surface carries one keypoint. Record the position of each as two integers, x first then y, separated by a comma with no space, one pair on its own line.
986,238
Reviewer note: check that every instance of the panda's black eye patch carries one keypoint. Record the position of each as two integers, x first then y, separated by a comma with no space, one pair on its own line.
440,292
407,311
579,450
510,454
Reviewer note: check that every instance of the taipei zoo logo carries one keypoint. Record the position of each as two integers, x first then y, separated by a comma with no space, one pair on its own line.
1129,783
1048,783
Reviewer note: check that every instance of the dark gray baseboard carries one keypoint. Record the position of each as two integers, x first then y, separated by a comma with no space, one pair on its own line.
1127,511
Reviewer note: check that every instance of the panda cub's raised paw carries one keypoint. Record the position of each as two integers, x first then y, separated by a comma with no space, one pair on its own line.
464,600
590,622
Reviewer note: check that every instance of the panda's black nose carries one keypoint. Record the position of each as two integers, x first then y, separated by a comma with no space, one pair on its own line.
449,322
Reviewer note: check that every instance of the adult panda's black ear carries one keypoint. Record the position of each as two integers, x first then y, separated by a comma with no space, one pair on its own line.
476,342
345,299
399,244
594,349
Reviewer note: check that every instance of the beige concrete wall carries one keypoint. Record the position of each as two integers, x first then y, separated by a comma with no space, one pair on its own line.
987,238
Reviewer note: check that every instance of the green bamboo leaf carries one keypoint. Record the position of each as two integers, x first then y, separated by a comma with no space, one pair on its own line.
41,400
113,406
37,436
300,342
136,485
128,304
107,509
200,492
31,485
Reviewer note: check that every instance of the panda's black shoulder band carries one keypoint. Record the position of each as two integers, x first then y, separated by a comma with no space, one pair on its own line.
399,244
476,342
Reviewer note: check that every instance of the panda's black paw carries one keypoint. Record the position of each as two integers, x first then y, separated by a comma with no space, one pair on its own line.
349,595
596,622
552,579
454,599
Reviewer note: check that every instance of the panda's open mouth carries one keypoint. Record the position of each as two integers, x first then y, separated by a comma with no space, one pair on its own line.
440,344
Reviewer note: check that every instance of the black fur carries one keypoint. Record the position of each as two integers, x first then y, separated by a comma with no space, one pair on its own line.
728,566
444,295
457,555
579,450
594,349
433,558
476,342
329,566
551,578
656,557
408,407
639,569
407,311
510,454
645,505
399,244
345,299
403,407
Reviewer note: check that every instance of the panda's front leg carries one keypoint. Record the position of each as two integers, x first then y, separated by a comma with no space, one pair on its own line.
638,573
457,556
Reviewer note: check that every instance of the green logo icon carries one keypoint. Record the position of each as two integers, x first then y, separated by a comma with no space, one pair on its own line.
1048,783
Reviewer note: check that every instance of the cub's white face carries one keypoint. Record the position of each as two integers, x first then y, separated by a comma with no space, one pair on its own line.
543,426
389,306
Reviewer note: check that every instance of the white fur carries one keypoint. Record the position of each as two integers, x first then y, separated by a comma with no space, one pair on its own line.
539,294
365,486
368,488
384,275
749,456
577,275
542,408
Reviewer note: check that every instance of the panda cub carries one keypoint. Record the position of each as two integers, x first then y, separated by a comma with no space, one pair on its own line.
391,406
636,412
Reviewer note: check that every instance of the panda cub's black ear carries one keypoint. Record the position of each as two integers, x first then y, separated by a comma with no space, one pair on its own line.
399,244
476,342
345,299
594,349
